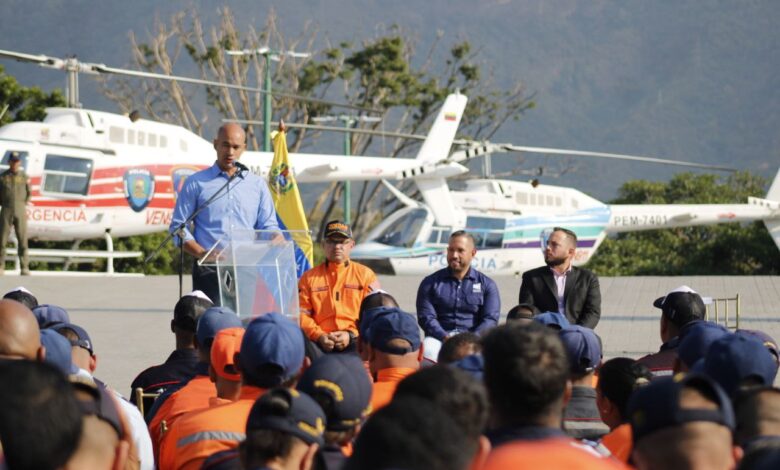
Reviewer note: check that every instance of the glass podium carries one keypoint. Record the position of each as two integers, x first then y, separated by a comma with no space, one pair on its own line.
257,272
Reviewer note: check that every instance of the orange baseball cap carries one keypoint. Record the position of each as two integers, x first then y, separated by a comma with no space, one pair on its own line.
223,351
551,454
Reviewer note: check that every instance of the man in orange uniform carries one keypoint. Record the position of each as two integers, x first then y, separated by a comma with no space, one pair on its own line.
272,354
330,294
394,352
195,394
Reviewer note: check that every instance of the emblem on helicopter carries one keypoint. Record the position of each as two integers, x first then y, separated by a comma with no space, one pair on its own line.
139,188
179,176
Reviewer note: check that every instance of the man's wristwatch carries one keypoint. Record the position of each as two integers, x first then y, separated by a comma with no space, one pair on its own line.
352,337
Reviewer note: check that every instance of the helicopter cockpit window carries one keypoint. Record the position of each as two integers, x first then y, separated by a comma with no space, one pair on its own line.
66,175
488,232
404,231
4,162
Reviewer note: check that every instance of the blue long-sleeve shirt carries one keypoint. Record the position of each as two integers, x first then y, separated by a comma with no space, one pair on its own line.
446,304
246,205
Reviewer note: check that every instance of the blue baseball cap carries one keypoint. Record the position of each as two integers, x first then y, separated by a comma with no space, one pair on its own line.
289,411
58,351
271,339
555,320
391,325
82,339
735,359
696,338
582,347
212,321
48,315
656,406
474,364
340,384
769,342
370,314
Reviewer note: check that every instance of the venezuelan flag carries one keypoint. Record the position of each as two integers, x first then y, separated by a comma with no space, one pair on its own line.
287,200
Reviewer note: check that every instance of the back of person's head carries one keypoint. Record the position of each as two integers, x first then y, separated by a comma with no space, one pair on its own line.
526,361
48,315
682,422
618,378
696,338
394,332
762,455
20,335
758,414
459,346
211,322
522,314
285,426
272,351
460,395
189,309
40,420
340,385
23,296
374,299
583,348
410,434
738,361
679,307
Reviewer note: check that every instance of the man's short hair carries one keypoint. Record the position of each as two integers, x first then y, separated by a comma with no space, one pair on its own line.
619,377
411,434
463,233
40,420
526,361
522,312
758,414
460,395
569,234
375,299
457,347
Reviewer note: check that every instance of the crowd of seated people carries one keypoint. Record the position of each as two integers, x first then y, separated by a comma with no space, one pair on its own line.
533,392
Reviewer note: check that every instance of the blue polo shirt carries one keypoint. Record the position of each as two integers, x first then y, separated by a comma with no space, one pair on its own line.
245,205
446,304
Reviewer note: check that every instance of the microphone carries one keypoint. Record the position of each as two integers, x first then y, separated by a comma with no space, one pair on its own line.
240,166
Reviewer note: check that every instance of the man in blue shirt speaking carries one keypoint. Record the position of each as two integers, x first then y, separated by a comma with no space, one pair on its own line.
245,204
457,298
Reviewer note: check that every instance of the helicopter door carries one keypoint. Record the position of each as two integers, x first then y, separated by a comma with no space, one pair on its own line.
66,176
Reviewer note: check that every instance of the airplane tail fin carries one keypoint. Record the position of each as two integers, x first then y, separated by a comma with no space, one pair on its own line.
773,196
436,147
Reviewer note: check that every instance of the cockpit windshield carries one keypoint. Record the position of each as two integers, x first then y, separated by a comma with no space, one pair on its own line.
404,231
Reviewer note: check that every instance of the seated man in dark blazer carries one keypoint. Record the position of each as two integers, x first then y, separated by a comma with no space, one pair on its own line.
561,287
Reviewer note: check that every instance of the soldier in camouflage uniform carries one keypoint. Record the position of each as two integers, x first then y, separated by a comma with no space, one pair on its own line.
14,196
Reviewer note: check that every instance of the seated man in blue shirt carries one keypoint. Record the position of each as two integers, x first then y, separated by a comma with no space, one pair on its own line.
245,205
457,298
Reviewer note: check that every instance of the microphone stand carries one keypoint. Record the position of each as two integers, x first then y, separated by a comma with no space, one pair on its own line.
179,230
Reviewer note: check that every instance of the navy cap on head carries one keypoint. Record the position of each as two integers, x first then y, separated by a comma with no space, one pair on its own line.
696,338
735,360
582,347
553,320
271,339
212,321
657,406
48,315
340,384
14,157
337,228
82,337
289,411
474,364
682,305
58,351
369,316
769,342
395,324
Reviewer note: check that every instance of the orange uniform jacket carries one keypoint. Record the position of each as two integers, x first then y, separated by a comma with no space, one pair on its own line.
385,385
198,434
330,295
193,396
618,441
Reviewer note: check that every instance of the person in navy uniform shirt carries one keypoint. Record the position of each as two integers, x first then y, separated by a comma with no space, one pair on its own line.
457,298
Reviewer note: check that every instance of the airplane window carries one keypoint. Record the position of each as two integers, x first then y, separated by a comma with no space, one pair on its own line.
66,175
141,138
116,135
490,223
522,198
403,232
131,136
163,141
4,162
152,140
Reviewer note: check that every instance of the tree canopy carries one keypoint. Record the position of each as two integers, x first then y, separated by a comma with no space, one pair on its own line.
722,249
25,103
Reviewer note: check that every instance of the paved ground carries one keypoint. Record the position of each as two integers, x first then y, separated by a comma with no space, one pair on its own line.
129,318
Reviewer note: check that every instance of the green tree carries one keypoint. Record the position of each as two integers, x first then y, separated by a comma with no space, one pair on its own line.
25,103
720,249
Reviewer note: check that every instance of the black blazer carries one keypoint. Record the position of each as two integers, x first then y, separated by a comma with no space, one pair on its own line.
582,295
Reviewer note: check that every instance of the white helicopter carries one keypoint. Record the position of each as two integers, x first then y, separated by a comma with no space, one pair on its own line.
97,174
